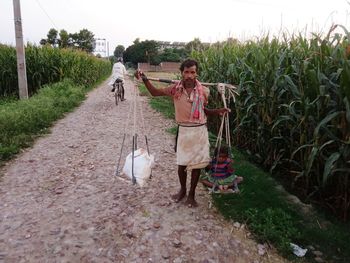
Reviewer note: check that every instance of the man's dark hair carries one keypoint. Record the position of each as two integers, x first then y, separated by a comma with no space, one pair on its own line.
189,63
120,59
224,149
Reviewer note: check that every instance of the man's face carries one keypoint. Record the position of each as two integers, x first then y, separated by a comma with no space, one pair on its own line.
189,76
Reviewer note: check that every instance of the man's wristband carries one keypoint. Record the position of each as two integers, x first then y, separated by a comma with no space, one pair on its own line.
144,78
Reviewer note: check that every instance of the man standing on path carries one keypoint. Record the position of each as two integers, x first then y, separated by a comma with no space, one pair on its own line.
192,146
118,75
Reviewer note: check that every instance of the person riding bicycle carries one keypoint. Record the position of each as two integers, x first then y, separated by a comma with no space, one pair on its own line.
118,74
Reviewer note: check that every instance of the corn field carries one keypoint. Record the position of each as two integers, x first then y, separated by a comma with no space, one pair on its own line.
48,65
293,112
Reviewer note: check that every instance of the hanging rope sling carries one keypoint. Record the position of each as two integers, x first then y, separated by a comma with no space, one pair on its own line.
222,88
225,124
133,108
228,93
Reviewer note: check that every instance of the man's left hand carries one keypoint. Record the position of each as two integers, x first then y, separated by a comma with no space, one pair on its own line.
222,111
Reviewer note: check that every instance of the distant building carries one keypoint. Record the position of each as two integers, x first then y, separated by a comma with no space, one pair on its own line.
179,44
100,47
164,44
167,44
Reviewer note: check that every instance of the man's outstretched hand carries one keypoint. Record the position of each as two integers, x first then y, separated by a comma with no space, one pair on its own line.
139,75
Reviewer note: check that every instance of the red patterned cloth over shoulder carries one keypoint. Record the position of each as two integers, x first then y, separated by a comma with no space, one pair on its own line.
197,97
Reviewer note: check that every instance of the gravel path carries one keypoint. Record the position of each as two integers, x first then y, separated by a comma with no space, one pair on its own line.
60,200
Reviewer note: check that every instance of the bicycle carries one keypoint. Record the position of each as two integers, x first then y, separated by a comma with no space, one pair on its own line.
118,88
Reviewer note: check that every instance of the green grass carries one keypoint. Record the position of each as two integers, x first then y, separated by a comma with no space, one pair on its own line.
5,100
143,91
21,121
270,216
165,104
172,130
161,103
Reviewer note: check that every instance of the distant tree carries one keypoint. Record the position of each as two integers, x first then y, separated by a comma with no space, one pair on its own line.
118,51
232,40
151,49
64,39
43,42
84,39
170,55
195,44
134,54
182,52
51,38
74,40
144,51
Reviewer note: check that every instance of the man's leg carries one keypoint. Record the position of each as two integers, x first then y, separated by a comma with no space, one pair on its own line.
122,87
182,174
113,88
191,194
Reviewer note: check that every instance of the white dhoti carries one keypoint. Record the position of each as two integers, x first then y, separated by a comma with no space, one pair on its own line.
111,82
113,79
193,147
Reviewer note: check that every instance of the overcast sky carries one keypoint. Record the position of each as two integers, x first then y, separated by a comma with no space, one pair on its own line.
121,22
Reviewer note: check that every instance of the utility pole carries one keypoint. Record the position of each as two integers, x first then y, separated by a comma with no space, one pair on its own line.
21,60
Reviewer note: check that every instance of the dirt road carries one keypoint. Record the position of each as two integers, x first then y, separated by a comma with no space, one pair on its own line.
60,200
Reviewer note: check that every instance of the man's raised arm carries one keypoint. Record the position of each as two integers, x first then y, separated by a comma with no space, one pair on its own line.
153,90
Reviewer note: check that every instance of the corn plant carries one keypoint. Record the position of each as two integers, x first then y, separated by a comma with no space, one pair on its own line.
293,112
47,65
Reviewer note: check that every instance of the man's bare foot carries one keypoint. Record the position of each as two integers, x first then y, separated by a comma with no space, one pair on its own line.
179,196
190,202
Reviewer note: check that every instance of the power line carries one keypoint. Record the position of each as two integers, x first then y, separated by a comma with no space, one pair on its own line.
42,8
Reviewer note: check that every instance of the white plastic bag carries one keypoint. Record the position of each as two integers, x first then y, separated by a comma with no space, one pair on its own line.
143,163
298,251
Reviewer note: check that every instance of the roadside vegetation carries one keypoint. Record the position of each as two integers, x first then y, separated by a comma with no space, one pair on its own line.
46,65
21,121
293,113
58,80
